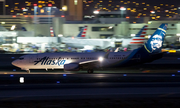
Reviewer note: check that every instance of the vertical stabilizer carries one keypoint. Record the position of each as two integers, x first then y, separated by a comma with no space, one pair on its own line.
82,33
155,42
142,32
52,32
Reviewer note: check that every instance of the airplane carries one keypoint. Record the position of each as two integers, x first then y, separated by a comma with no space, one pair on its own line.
150,51
52,32
137,40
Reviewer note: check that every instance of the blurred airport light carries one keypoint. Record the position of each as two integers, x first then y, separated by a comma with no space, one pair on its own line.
24,9
35,4
11,75
96,12
49,5
122,8
64,8
21,79
110,27
60,35
132,35
178,34
62,16
75,2
13,27
64,75
3,22
152,12
149,22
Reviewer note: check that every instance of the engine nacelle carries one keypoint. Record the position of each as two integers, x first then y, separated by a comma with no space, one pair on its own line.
71,67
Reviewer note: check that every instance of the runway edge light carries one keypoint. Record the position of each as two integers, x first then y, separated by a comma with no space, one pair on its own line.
21,79
173,74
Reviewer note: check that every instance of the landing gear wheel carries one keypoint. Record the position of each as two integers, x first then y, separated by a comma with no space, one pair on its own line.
90,70
28,71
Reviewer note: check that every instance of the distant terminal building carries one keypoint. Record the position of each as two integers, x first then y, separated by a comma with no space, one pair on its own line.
2,7
73,8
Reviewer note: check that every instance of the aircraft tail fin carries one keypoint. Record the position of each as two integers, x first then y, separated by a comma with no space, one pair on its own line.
140,36
82,32
23,29
52,32
142,32
155,42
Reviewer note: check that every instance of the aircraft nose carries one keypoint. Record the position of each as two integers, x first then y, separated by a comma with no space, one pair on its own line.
15,62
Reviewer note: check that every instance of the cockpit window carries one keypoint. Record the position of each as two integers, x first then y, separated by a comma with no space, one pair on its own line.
21,58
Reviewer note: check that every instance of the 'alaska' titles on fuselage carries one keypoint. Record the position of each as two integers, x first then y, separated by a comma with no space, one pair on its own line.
47,61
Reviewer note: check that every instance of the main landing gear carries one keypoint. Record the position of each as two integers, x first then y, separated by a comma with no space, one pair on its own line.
90,71
28,71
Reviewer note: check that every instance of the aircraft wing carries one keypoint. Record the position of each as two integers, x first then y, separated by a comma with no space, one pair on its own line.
89,64
91,61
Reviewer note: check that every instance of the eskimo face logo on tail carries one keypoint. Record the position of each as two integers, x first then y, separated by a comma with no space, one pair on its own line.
47,61
156,42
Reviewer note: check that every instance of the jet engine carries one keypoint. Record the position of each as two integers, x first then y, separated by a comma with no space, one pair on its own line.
71,67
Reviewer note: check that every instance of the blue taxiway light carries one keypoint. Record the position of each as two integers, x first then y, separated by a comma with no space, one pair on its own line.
14,69
173,74
12,57
125,75
64,75
58,82
178,58
11,75
179,71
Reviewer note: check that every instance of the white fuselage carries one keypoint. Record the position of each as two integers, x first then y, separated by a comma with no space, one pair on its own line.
58,60
101,43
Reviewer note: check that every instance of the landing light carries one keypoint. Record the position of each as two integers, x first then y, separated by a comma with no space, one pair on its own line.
100,58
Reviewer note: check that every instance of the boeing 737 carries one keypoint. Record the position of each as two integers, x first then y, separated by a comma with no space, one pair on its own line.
150,51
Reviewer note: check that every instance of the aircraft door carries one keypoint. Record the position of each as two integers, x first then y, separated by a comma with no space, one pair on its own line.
118,44
32,58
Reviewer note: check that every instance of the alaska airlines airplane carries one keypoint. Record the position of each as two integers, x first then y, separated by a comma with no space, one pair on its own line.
150,51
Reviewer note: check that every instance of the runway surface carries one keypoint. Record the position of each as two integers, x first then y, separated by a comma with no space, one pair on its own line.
159,79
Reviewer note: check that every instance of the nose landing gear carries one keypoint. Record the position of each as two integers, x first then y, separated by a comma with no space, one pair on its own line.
90,71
